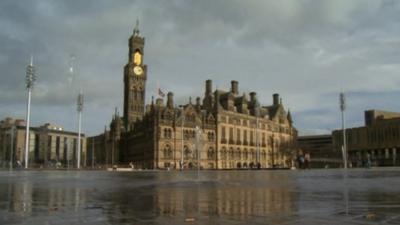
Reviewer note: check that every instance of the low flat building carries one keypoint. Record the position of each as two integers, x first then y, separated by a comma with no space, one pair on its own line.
48,144
378,140
320,148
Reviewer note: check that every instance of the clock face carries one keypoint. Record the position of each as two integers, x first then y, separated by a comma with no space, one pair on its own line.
138,70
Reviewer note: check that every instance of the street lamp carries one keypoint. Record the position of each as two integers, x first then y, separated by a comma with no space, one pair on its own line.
342,102
198,145
183,121
12,134
257,134
79,109
30,80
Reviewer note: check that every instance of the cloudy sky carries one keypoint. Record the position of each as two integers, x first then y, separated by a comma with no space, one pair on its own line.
308,51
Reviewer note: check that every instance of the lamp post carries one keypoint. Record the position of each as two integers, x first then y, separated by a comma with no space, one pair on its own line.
198,147
93,153
12,146
30,80
183,121
79,109
257,134
342,102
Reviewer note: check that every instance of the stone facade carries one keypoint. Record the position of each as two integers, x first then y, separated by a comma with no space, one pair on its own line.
378,140
221,130
48,144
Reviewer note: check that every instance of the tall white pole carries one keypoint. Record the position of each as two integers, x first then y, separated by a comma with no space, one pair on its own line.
80,108
79,139
257,134
257,138
198,147
28,112
30,79
344,148
183,120
12,147
93,153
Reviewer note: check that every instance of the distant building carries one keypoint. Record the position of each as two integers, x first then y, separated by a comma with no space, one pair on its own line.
378,140
223,130
48,144
320,148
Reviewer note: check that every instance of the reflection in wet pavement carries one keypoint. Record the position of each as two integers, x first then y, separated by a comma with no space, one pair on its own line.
212,197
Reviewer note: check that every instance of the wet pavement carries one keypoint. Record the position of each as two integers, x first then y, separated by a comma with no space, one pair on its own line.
209,197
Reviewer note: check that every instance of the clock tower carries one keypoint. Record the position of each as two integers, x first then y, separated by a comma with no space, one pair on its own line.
135,76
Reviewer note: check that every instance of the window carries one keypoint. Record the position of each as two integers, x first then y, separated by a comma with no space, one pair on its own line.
187,153
238,154
245,137
167,152
223,153
210,153
231,154
210,136
223,135
263,140
168,133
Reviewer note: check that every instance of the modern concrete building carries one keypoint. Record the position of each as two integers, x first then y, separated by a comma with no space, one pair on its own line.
378,140
225,129
321,150
48,144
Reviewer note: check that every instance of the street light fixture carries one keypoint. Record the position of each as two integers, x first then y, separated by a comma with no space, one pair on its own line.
257,134
342,102
30,81
183,121
12,134
79,109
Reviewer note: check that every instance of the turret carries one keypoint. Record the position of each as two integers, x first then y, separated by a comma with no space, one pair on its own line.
208,87
234,87
170,100
275,98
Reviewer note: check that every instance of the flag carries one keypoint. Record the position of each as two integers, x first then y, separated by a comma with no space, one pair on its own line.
160,93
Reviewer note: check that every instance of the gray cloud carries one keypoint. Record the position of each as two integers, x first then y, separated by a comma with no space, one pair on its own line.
307,50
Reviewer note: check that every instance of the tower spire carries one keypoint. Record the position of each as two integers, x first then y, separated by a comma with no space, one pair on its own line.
136,29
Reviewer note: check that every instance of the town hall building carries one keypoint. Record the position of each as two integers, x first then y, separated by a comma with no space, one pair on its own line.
223,129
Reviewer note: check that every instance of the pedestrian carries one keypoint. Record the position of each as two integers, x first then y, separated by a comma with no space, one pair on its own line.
301,161
368,163
307,160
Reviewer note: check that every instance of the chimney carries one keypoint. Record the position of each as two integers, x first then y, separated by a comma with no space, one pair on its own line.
235,87
170,100
253,96
208,87
198,101
275,98
198,104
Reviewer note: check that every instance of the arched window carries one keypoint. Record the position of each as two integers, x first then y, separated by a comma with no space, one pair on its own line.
167,152
238,154
223,153
187,153
211,153
253,153
231,154
264,155
165,133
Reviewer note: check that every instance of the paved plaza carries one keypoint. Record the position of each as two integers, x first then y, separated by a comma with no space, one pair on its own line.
208,197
